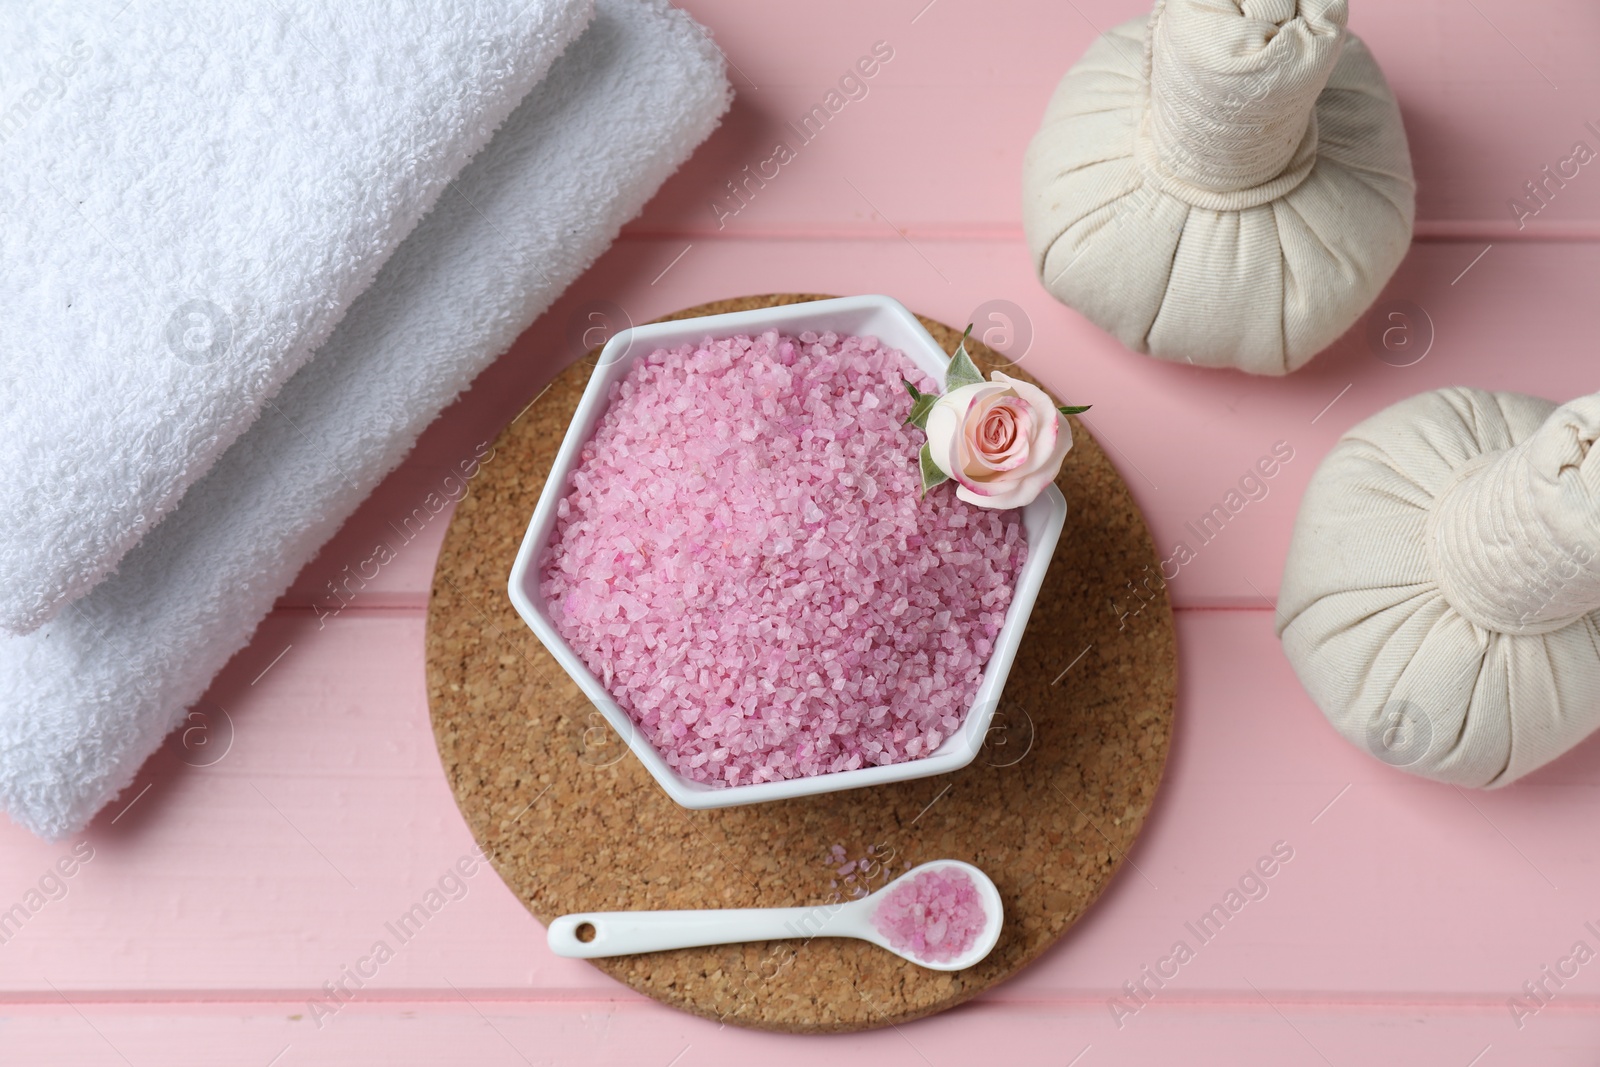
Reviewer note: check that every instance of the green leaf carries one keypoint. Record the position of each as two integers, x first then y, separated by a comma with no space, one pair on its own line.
919,410
931,474
1065,410
910,389
962,371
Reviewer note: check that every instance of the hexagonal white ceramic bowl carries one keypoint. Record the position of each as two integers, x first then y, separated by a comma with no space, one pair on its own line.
892,324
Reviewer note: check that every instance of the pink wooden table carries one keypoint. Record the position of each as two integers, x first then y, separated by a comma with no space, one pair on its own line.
220,899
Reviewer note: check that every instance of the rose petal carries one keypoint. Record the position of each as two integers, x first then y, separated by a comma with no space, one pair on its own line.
984,394
1003,496
992,430
958,466
944,426
1056,433
974,463
1021,485
948,415
1015,453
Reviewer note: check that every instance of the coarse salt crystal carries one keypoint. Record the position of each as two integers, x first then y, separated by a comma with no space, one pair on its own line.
935,915
758,612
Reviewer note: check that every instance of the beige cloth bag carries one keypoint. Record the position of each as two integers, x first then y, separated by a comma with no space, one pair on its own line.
1440,593
1226,183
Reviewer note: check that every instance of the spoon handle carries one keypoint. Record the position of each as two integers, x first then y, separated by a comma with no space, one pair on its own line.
620,933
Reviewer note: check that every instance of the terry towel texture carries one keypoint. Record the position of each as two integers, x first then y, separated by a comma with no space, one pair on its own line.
85,699
191,207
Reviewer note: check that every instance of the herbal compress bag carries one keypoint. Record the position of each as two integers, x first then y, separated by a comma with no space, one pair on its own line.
1439,601
1224,183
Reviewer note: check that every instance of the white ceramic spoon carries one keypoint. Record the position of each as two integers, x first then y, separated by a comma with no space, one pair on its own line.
622,933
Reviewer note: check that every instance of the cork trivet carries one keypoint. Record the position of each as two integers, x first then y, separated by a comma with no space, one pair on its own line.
573,822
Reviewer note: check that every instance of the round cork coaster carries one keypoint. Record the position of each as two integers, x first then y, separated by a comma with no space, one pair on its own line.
573,822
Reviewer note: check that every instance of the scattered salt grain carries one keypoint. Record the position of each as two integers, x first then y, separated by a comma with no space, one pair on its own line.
757,614
935,915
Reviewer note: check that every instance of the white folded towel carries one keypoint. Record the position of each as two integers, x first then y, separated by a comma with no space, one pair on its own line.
193,194
84,700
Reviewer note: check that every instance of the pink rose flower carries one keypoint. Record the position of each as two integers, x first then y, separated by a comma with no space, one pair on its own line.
1002,441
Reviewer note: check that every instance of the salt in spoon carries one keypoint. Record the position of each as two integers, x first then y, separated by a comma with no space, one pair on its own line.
622,933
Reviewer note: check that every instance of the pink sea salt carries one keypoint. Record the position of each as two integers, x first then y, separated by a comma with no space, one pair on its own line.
745,561
935,915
